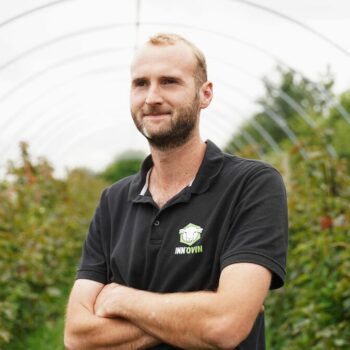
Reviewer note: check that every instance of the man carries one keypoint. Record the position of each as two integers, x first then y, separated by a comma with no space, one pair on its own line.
182,254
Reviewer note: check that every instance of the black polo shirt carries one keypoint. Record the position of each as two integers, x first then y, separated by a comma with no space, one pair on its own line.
234,211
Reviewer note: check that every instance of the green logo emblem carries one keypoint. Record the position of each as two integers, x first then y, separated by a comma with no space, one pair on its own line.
190,234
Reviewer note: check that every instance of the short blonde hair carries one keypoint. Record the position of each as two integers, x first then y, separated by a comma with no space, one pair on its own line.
200,73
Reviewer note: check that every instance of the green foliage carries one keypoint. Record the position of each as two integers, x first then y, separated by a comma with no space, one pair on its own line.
290,102
127,164
43,222
312,311
48,332
340,127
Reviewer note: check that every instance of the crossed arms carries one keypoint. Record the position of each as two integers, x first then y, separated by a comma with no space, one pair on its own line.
118,317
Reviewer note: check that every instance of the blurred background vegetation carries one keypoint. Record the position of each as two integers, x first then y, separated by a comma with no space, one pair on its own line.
302,129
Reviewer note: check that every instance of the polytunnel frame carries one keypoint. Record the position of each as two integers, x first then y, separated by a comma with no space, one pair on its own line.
344,113
291,136
275,117
87,55
285,128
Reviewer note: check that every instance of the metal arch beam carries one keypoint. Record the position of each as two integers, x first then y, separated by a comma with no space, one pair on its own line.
266,136
236,144
292,103
105,70
341,110
104,127
48,135
324,92
13,117
33,10
38,130
252,141
38,117
287,130
280,121
297,107
67,36
283,125
62,63
137,23
337,105
86,134
248,137
289,100
109,26
269,139
245,2
61,38
232,148
297,22
63,122
63,126
237,0
41,130
258,127
214,126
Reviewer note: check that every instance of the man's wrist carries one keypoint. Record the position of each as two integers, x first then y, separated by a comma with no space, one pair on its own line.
125,298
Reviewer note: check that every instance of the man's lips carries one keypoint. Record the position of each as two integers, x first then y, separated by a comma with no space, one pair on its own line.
156,115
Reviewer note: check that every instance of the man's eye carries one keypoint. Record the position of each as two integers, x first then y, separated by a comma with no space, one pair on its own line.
169,81
140,83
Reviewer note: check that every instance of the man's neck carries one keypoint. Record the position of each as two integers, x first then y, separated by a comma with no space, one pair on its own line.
177,167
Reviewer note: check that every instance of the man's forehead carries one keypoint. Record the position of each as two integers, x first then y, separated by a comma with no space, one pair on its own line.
176,57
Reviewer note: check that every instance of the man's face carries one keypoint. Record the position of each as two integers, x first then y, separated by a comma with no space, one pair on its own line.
164,99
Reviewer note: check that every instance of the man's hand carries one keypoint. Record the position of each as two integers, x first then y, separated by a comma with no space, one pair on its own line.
106,304
85,331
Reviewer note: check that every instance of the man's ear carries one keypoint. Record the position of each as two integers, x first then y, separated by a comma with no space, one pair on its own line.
206,94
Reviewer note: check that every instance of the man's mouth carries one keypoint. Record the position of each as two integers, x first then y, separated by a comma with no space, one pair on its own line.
156,115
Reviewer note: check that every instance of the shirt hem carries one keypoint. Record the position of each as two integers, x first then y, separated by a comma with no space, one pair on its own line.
278,276
91,275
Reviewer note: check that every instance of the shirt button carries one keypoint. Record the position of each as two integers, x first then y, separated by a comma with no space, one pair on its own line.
156,223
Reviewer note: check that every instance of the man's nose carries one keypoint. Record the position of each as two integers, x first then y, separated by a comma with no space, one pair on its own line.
153,96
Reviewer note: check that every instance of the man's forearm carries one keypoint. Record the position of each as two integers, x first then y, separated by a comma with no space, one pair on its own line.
195,320
186,320
87,331
186,324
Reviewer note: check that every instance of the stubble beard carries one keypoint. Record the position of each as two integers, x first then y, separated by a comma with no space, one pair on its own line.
181,125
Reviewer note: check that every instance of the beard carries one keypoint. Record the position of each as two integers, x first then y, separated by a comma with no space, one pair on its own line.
177,132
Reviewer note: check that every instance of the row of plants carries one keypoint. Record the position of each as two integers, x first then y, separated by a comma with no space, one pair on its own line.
312,310
43,221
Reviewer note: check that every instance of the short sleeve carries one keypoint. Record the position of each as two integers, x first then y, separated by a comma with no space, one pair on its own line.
259,230
92,264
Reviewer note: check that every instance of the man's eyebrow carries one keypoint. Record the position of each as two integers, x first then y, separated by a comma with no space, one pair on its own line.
172,77
176,78
138,79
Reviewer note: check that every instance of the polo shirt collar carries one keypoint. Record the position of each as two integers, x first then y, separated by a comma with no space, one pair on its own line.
211,166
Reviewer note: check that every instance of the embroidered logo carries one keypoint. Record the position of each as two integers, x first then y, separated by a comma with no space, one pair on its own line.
189,235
